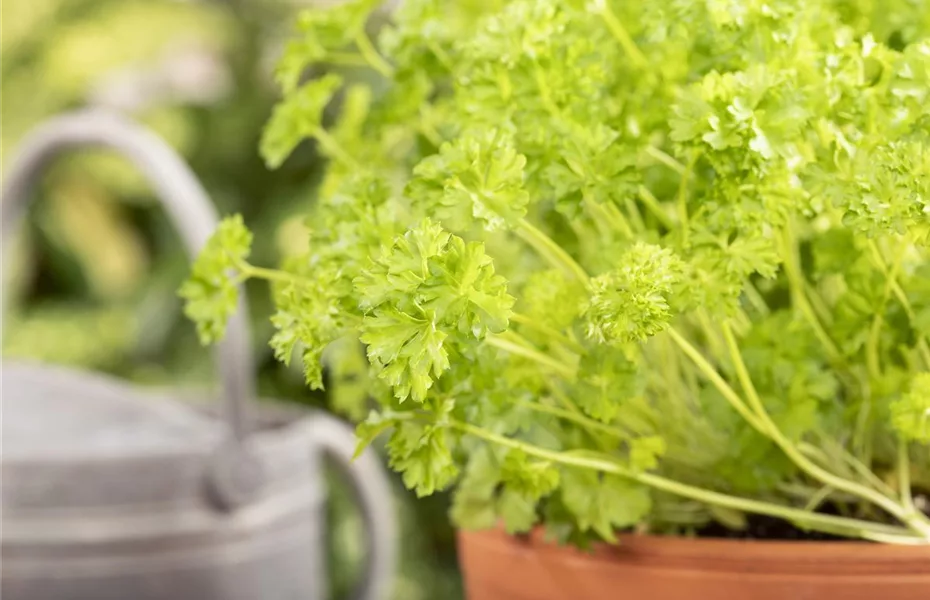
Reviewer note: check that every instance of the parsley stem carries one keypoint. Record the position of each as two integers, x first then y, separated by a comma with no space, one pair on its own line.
844,456
621,34
614,218
798,458
335,149
575,417
551,251
683,197
834,524
904,476
666,159
718,382
636,217
655,207
547,331
799,298
250,270
346,59
518,347
756,299
922,347
372,57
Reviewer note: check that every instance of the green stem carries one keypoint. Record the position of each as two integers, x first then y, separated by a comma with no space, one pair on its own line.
614,218
718,382
846,526
799,459
621,34
655,207
817,499
346,59
683,198
799,298
372,57
576,417
923,347
851,461
545,96
756,299
441,55
335,149
551,251
249,271
525,350
666,160
549,332
904,476
636,217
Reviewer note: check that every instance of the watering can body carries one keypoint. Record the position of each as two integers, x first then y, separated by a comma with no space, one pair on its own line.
114,492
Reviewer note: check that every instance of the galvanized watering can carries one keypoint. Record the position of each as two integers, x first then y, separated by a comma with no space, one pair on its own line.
116,493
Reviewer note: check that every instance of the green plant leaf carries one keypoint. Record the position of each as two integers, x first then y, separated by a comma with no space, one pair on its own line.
210,292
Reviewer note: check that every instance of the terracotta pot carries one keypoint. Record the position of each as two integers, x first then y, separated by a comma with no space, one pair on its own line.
497,566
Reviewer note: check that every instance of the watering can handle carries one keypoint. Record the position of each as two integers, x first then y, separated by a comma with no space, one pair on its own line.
183,197
372,491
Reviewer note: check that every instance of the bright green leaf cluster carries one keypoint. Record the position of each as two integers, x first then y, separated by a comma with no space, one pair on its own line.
618,264
478,178
631,303
211,294
911,414
427,286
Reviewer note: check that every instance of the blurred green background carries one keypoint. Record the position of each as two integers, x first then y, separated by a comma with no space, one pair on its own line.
92,277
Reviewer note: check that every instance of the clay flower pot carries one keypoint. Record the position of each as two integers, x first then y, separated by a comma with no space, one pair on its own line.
497,566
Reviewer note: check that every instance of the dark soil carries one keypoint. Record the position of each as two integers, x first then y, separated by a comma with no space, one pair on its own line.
760,527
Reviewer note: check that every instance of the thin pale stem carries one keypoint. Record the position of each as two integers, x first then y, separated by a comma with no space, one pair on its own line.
904,476
551,251
621,34
655,207
549,332
614,218
683,197
518,347
834,524
798,458
799,298
249,271
717,381
667,160
335,149
372,57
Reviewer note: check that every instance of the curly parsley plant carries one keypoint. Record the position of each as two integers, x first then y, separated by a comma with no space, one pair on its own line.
618,265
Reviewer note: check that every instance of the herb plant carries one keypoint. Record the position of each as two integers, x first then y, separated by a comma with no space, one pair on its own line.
618,264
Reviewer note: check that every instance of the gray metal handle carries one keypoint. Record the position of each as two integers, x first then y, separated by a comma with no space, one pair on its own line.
182,195
372,490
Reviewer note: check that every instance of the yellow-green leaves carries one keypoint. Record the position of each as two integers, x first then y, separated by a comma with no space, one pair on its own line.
296,118
475,180
631,303
426,294
322,34
910,415
422,453
507,485
756,173
210,293
604,503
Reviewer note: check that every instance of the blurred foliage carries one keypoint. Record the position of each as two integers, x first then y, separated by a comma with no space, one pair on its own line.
92,277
